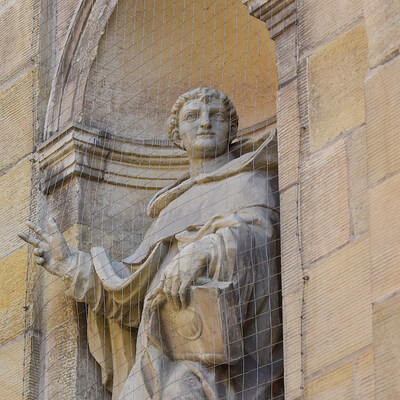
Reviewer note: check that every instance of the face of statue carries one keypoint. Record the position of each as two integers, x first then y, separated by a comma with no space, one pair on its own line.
204,129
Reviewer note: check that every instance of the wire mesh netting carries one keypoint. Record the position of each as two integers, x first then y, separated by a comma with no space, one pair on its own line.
167,284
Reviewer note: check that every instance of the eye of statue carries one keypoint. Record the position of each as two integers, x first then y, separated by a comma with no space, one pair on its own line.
219,116
191,116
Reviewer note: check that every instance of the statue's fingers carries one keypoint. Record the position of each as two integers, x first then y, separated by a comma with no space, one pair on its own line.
176,283
159,300
183,292
53,226
160,286
167,288
42,233
38,251
153,294
39,260
29,239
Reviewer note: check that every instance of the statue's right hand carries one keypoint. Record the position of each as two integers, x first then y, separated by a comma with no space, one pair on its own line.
51,249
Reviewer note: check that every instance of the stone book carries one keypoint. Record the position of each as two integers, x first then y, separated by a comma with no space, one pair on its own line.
208,330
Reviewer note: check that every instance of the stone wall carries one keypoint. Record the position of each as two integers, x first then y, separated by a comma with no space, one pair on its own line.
339,171
337,111
18,81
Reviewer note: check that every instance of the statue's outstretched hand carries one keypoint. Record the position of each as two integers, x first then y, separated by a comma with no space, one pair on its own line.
51,249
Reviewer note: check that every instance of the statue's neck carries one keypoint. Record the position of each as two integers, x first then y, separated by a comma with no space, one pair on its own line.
208,166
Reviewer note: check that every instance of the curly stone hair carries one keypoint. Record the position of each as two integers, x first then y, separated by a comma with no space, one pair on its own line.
202,94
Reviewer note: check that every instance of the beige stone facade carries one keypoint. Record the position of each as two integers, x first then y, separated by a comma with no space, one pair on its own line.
343,194
325,74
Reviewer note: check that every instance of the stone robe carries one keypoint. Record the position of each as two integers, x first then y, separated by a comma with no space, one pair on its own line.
234,212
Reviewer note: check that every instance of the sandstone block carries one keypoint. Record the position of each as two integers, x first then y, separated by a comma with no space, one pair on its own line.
321,21
364,376
383,26
382,94
12,294
11,366
384,236
291,311
285,54
333,385
61,327
16,29
290,257
386,328
325,222
14,205
288,134
16,120
335,324
336,85
358,181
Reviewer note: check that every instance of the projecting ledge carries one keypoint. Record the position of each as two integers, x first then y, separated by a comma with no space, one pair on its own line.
277,14
91,154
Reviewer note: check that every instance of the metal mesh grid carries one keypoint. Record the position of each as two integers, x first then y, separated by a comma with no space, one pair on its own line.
117,69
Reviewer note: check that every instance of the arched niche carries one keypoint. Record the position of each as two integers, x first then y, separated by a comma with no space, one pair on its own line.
122,65
125,62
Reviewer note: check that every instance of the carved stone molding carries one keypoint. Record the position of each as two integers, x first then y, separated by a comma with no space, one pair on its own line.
88,153
72,72
277,14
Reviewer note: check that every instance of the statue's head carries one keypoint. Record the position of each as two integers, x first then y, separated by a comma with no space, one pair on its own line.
203,122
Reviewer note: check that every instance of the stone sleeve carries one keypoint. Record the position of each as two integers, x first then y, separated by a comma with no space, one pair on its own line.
81,281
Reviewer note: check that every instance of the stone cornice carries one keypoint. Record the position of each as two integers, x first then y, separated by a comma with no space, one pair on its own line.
87,153
277,14
91,154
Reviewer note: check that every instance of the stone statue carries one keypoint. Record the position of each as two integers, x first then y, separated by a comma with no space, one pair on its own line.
194,312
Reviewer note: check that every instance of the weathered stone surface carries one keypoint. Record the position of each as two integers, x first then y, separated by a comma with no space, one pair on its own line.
285,46
325,221
290,257
16,33
137,86
61,339
364,381
115,217
72,370
320,21
12,294
288,135
382,94
358,181
335,324
16,120
333,385
384,209
383,26
15,195
336,83
11,366
386,328
292,283
291,311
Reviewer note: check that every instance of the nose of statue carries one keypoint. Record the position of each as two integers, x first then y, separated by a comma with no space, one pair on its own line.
205,123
